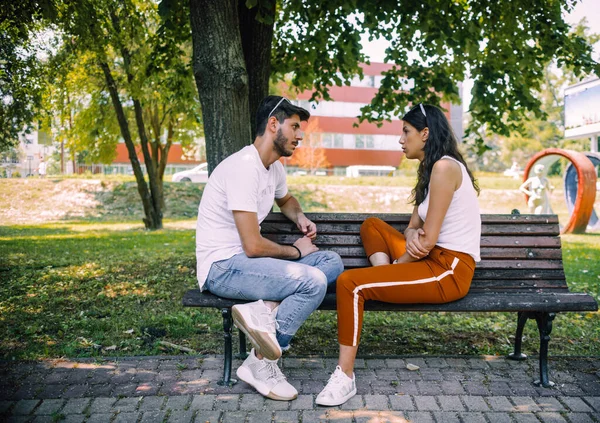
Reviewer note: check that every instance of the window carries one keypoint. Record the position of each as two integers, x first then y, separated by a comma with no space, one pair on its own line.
338,141
359,141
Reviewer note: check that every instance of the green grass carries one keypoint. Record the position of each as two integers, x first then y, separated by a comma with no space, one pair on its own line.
97,284
105,289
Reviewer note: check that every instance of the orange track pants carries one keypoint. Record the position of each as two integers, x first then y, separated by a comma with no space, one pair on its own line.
443,276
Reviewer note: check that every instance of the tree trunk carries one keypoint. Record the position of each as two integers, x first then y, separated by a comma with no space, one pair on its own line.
155,183
151,218
257,38
221,78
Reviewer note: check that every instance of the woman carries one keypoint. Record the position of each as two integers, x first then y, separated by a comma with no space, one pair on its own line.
433,262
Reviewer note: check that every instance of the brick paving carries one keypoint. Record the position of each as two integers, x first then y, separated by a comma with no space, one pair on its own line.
184,389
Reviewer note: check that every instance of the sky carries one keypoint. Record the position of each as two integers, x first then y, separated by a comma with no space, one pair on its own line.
586,8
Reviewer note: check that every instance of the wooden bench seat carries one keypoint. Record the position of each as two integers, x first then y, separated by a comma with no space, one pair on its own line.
521,271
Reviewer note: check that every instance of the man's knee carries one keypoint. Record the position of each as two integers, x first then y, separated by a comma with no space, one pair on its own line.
335,259
317,282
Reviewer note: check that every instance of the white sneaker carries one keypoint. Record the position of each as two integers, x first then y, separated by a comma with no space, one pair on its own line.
266,378
339,389
258,323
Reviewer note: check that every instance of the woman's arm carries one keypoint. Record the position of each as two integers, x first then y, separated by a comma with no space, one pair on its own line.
414,249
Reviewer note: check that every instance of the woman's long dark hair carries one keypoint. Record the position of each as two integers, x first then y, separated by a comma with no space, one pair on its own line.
441,142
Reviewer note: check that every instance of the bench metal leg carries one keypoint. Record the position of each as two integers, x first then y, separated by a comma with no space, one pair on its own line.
544,323
517,355
243,354
227,326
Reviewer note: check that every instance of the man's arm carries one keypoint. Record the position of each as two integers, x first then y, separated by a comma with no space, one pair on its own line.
290,207
255,245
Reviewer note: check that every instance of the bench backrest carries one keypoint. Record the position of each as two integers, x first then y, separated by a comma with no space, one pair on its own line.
518,252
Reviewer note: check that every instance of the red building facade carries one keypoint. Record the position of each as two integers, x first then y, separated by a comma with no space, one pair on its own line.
367,144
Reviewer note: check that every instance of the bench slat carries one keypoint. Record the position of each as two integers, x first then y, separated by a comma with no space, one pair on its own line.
523,284
405,218
474,302
486,241
486,253
535,274
354,262
353,228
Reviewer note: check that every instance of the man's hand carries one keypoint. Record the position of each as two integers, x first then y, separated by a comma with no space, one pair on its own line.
307,227
305,245
413,243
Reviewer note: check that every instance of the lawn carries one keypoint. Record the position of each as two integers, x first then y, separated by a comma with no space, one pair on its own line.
94,287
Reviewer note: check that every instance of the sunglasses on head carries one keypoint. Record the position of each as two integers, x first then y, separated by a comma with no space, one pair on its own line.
277,105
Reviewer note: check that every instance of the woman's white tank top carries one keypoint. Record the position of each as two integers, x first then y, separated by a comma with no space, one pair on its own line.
461,228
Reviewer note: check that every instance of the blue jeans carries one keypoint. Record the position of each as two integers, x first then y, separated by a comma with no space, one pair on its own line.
300,285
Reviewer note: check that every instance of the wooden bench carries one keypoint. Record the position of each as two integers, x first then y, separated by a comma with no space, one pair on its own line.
521,271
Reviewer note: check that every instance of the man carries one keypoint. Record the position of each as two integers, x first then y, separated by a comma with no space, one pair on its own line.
235,261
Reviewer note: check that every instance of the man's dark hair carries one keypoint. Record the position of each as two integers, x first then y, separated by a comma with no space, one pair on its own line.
281,108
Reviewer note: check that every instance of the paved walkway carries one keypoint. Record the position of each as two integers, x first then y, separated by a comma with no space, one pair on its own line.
185,389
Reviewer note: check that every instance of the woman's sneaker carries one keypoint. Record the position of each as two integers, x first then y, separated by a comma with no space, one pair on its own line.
339,389
266,378
258,323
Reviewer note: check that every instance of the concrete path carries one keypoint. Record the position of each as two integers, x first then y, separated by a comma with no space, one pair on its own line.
185,389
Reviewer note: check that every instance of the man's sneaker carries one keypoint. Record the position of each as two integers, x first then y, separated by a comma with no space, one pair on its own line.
339,389
258,323
266,378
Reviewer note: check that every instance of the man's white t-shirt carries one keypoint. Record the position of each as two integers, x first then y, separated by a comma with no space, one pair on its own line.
240,182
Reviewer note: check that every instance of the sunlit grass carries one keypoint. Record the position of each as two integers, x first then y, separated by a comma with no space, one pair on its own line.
115,289
103,285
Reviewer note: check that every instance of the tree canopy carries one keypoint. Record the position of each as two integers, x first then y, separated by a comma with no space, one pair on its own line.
545,130
123,72
21,75
503,46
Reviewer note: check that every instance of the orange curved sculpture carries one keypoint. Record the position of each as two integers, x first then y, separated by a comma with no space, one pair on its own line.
586,186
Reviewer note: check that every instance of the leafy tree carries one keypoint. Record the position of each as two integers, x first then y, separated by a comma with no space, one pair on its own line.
123,73
504,46
20,70
545,130
311,154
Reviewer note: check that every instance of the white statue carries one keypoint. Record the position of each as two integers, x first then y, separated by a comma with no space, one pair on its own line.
538,188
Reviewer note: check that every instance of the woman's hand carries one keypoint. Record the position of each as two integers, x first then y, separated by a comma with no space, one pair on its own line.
414,246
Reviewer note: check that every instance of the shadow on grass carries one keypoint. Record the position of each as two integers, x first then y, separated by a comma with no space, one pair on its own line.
30,230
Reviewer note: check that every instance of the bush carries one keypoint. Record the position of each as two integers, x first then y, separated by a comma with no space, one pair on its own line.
16,174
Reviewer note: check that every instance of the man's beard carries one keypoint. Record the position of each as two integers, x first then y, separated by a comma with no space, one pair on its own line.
279,144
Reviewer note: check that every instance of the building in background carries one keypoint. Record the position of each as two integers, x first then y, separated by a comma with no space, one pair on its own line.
177,161
349,150
24,159
582,111
366,145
